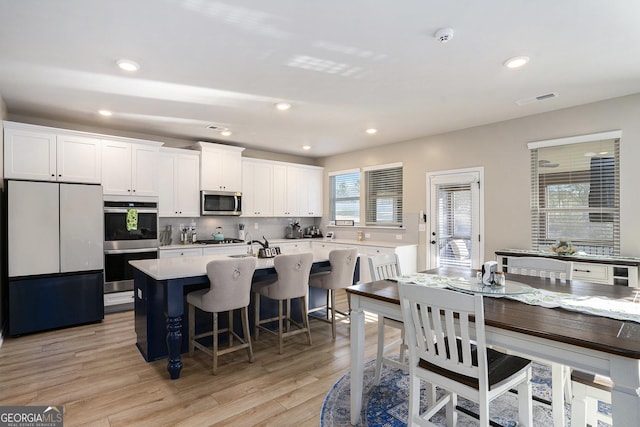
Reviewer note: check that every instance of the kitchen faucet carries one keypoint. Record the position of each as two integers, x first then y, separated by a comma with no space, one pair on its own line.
248,238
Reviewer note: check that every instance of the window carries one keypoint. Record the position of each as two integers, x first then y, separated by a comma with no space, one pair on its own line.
575,195
383,197
345,195
382,189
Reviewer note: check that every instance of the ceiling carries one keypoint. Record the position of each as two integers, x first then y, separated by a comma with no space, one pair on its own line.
343,65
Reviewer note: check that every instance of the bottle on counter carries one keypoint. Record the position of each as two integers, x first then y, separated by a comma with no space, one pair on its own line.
194,238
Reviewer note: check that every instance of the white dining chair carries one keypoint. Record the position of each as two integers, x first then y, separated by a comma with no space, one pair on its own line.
553,269
440,325
588,389
387,266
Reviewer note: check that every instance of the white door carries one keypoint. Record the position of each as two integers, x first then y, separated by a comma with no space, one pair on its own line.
454,217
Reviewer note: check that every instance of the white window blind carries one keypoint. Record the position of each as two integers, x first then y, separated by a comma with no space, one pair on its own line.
454,224
384,195
575,195
344,196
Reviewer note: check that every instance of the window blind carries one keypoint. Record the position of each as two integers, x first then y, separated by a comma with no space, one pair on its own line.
383,195
454,224
575,195
344,196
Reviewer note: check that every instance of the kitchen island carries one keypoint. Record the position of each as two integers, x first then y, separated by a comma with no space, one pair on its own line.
160,287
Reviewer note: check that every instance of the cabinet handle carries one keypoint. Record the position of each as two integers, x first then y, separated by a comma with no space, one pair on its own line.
582,271
129,191
53,174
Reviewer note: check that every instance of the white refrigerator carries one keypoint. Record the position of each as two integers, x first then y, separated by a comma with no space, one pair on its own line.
55,255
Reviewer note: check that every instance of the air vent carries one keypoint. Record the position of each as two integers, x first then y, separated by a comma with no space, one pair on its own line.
538,98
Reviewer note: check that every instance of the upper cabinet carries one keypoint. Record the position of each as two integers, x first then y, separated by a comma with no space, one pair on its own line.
279,189
257,188
47,154
220,167
179,183
130,168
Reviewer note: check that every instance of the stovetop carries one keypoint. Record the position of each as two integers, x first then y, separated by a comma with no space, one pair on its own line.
220,242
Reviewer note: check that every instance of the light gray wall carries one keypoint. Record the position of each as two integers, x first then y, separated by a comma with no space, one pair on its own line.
502,149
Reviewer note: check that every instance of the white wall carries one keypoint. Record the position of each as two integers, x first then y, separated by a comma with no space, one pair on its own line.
502,149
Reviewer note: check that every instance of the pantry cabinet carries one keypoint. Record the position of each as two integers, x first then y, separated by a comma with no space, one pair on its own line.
179,183
297,190
47,154
130,169
220,167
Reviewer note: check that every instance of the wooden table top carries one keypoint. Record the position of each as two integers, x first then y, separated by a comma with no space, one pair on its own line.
580,329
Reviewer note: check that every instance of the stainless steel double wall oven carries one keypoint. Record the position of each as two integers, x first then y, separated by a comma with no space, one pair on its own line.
124,243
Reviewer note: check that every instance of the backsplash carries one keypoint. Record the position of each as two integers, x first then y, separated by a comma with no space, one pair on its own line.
271,228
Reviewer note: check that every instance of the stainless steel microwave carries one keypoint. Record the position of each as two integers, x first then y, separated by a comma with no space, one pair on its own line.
220,203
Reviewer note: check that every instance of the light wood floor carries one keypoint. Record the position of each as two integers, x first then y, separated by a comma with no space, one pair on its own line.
98,375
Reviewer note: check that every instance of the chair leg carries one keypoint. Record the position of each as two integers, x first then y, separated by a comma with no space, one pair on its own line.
332,294
280,325
450,410
244,313
256,317
579,405
230,332
215,343
525,407
380,350
287,318
305,316
192,328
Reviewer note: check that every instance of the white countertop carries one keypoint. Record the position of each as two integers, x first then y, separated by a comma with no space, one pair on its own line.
180,267
275,242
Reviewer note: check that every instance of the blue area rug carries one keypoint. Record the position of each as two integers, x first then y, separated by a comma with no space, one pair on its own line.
387,404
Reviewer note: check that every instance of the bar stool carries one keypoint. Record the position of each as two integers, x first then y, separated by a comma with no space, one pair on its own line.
292,282
343,265
230,284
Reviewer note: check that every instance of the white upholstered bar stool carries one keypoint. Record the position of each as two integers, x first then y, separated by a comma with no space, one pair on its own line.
230,287
386,266
343,265
292,282
553,269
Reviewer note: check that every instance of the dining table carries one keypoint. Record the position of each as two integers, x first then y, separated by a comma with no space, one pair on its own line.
587,342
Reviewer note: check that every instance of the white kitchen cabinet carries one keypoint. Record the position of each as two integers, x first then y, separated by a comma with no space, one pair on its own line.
293,246
311,192
220,167
130,169
174,253
297,191
257,188
178,183
46,154
287,188
407,255
225,250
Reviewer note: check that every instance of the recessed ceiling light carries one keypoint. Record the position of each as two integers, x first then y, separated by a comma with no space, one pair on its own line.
283,106
306,147
372,131
225,133
516,62
128,65
105,113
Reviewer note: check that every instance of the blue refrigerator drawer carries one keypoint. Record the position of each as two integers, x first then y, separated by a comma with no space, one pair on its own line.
56,301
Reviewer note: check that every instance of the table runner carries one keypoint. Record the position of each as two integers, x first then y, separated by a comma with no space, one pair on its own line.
598,306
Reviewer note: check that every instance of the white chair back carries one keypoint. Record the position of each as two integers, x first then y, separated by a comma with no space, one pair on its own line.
384,266
541,267
437,322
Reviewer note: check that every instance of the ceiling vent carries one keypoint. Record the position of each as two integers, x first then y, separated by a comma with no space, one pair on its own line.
538,98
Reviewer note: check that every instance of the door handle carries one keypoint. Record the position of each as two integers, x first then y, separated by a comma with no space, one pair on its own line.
433,242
